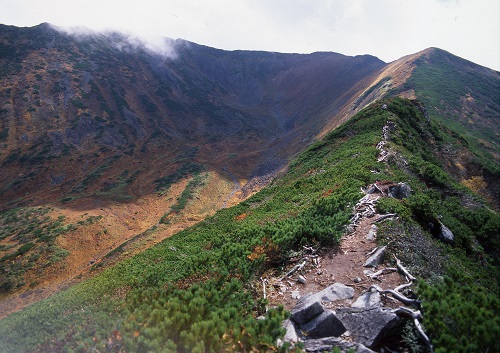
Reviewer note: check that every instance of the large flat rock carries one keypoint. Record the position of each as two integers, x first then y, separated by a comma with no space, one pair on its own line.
336,291
368,300
368,326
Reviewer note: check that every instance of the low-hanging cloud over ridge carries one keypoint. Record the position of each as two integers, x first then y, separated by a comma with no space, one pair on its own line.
125,41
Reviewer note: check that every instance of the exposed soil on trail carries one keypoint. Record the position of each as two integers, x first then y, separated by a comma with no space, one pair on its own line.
343,264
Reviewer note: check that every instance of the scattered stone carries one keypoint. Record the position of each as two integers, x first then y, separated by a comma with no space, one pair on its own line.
368,326
306,309
368,300
345,334
324,325
357,280
328,343
445,235
336,291
399,191
291,333
295,294
376,258
301,279
372,233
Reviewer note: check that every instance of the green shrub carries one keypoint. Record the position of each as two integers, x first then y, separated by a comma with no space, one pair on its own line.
461,316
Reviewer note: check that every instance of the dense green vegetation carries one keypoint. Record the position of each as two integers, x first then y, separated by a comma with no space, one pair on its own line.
193,292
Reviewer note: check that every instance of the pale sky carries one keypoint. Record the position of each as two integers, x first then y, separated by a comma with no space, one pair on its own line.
388,29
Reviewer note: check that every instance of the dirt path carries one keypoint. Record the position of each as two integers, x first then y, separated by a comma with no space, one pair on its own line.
343,264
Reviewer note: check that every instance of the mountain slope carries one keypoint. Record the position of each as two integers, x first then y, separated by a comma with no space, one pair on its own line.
198,290
108,147
102,139
97,99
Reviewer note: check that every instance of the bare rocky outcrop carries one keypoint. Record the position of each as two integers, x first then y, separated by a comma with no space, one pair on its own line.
368,326
321,329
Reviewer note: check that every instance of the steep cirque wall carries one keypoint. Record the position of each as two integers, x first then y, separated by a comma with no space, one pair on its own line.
73,104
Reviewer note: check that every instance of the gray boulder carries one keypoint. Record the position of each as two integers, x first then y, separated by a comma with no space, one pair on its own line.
372,233
368,326
324,325
368,300
399,191
307,308
336,291
377,258
445,235
328,343
291,334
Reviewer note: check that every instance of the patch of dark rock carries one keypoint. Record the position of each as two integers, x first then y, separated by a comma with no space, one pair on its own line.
368,326
399,191
368,299
307,309
324,325
445,235
321,329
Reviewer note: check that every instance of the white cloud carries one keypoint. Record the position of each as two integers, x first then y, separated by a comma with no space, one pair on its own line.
388,29
125,40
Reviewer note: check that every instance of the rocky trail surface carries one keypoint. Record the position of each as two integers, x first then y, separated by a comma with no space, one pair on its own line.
350,296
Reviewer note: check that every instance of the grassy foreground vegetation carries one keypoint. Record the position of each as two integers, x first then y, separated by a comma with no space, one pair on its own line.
193,292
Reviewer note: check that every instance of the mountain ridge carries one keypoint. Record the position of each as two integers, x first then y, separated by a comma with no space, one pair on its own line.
201,289
118,142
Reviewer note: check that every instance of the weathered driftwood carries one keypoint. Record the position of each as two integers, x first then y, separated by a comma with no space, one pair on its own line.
311,249
403,286
403,299
416,316
264,295
382,272
294,269
400,266
388,215
357,216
